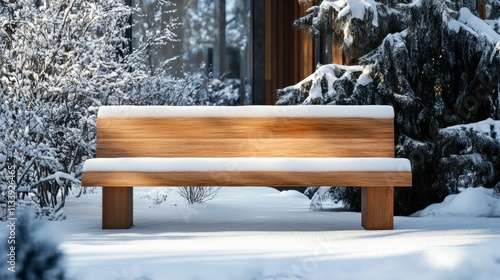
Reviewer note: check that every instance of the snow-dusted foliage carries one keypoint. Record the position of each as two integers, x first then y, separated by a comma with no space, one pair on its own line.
59,61
192,89
359,24
438,65
469,155
37,254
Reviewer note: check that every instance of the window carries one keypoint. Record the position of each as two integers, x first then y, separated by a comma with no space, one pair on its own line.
214,38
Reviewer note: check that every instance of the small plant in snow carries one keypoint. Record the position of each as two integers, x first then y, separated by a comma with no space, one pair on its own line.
157,197
198,194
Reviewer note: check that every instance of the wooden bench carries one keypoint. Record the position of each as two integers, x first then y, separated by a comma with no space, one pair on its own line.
246,146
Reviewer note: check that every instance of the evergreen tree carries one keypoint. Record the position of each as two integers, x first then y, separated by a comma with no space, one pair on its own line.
437,64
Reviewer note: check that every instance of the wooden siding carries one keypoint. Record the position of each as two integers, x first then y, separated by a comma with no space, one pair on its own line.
289,51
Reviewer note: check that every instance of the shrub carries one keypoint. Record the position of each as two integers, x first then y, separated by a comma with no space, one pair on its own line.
37,256
198,194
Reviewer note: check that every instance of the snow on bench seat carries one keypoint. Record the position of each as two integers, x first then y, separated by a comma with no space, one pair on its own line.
247,164
367,172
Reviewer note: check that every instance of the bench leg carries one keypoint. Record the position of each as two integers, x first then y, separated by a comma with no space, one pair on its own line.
117,207
377,207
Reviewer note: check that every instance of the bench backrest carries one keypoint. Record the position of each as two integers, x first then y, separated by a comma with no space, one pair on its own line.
245,131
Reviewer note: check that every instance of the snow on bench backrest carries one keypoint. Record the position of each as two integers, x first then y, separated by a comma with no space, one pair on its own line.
298,111
245,131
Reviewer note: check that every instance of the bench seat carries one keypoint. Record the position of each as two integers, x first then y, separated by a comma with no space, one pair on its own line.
367,172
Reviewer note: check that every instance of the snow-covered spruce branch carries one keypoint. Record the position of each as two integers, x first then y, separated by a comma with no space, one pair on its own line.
438,64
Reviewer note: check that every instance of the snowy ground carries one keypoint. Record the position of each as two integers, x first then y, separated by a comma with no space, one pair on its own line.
261,233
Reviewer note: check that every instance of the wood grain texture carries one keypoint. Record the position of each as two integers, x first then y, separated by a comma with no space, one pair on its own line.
310,148
117,207
367,179
245,137
377,208
287,49
243,128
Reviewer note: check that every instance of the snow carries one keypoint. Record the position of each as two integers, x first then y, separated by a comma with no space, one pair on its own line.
479,25
356,8
255,111
472,202
58,176
475,25
365,77
488,127
246,164
415,3
264,234
332,74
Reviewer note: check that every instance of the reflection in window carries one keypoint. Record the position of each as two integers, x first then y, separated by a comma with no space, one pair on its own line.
214,40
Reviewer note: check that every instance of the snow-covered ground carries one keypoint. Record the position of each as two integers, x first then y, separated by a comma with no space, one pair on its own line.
261,233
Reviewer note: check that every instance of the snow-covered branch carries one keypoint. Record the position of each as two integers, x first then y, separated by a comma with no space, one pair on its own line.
438,64
58,176
59,60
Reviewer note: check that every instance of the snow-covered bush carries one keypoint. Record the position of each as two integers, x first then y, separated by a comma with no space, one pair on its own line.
36,255
437,64
59,61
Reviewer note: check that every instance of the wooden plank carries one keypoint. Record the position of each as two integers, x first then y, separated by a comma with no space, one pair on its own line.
117,207
252,147
337,53
286,47
481,8
246,137
305,50
377,208
243,128
366,179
